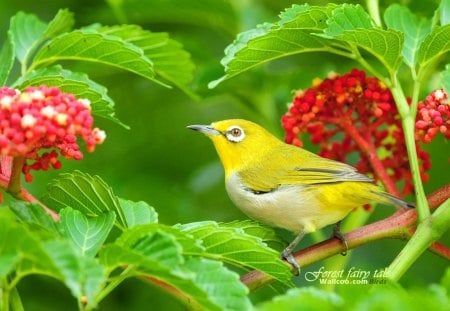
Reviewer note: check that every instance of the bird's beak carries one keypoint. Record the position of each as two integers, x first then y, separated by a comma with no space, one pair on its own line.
205,129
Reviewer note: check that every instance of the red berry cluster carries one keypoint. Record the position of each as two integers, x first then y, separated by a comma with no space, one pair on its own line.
433,117
44,118
351,114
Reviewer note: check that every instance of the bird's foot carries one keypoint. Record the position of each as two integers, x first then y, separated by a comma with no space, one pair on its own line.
339,235
291,259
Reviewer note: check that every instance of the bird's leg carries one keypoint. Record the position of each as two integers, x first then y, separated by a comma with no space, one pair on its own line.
287,252
338,234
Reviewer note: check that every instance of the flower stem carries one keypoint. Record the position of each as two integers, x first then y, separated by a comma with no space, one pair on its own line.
371,153
427,232
16,173
408,129
422,205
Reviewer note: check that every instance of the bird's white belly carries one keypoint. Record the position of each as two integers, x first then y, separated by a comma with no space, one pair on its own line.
291,207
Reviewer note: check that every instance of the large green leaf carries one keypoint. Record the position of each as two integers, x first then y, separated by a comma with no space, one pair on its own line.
86,45
169,59
6,58
400,18
265,233
75,83
160,246
114,256
293,34
22,249
435,45
138,213
28,32
88,194
347,17
35,216
84,276
202,283
351,24
232,245
87,233
222,285
61,23
189,244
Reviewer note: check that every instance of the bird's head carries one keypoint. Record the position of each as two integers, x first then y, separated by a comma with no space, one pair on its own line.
238,142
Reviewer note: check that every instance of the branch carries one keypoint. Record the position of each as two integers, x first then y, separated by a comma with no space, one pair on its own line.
371,152
398,226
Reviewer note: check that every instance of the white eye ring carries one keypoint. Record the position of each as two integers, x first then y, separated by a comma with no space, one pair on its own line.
235,134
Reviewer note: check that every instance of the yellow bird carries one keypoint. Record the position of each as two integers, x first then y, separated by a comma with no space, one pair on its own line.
286,186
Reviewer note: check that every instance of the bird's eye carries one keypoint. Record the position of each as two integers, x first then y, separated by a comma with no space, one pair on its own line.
235,134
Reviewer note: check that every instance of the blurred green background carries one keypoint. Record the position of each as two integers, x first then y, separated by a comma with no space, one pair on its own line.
176,170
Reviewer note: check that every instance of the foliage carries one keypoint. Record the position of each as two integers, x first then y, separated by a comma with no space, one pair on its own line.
94,243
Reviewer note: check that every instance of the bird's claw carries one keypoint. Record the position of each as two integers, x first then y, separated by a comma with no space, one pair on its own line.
340,236
291,259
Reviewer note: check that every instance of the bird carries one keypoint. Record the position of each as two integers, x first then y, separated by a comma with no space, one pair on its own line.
288,187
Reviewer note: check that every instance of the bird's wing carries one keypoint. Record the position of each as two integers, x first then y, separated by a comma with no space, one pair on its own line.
296,169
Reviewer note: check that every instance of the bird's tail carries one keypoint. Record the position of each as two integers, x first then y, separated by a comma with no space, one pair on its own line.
389,199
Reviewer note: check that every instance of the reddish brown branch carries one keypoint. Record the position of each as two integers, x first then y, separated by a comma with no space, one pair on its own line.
371,153
398,226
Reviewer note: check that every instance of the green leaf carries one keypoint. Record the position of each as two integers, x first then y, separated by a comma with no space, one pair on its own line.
169,59
158,254
6,58
232,245
444,9
385,45
26,29
293,34
29,254
138,213
160,246
34,215
61,23
25,246
265,233
446,78
309,298
7,263
400,18
75,83
351,24
114,256
88,194
84,276
87,233
189,245
347,17
28,32
222,285
85,45
435,45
